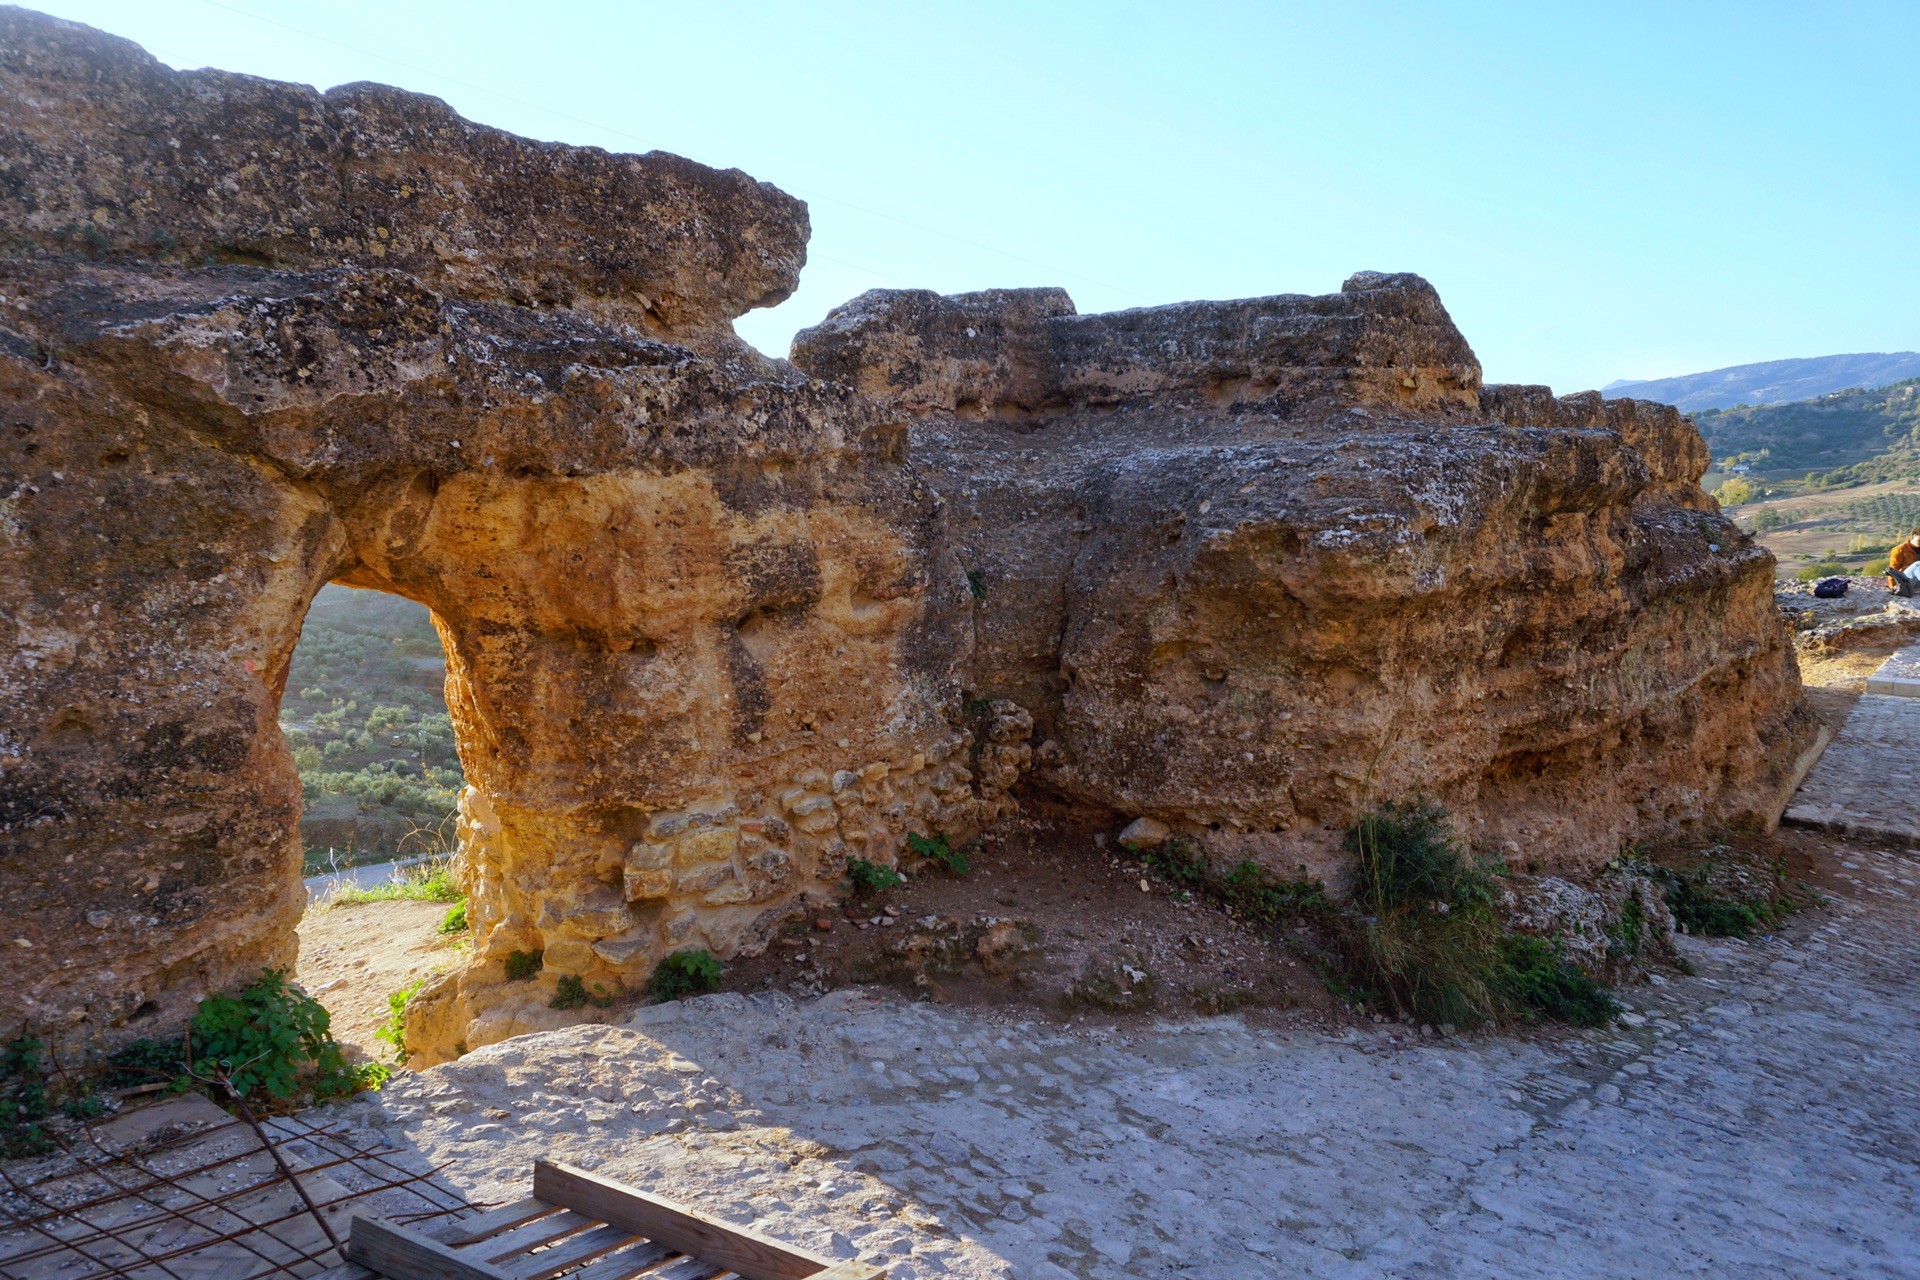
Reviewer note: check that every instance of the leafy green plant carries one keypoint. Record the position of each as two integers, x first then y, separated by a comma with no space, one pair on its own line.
1247,890
455,921
522,965
1720,897
274,1038
684,973
571,993
937,848
394,1030
148,1061
87,1106
23,1100
1537,978
871,877
1626,935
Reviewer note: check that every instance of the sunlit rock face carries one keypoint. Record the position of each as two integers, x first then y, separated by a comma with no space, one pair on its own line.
699,624
1253,566
717,623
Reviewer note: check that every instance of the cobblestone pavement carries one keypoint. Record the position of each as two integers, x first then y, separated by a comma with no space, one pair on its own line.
1758,1118
1868,782
1898,675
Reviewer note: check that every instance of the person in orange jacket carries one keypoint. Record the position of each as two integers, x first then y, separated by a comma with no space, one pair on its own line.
1903,566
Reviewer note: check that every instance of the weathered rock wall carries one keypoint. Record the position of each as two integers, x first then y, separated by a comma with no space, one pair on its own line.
716,623
694,605
1255,565
107,150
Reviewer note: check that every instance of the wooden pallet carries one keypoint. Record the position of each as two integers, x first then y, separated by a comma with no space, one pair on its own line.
582,1227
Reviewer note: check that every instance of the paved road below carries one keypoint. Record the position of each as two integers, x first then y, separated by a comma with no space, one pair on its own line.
1759,1118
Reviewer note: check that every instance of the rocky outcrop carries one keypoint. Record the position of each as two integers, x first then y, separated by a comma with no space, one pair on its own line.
110,152
717,623
1254,565
698,623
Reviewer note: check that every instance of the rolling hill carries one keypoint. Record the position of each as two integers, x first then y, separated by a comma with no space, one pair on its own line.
365,712
1849,437
1772,381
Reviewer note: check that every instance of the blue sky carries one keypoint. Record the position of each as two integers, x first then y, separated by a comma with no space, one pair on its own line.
1599,191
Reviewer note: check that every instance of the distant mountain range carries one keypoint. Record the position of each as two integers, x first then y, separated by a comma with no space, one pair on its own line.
1772,381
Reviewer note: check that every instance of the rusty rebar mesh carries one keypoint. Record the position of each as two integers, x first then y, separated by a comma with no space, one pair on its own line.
198,1200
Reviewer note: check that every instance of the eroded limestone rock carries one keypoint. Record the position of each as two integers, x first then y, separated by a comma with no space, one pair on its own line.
1254,565
699,625
714,622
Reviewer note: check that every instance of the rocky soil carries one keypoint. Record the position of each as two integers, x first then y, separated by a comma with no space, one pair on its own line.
353,956
1759,1116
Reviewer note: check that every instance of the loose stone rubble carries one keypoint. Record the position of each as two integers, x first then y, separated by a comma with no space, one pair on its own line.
717,623
1758,1118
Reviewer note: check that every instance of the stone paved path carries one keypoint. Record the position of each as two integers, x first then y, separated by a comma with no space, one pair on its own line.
1868,782
1759,1118
1899,675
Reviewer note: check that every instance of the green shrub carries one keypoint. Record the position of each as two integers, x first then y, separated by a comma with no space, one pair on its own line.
571,993
1538,979
936,847
871,877
146,1062
1749,899
1406,855
394,1029
455,921
684,973
1248,890
23,1100
85,1107
1439,966
522,965
1625,935
1425,937
430,882
275,1038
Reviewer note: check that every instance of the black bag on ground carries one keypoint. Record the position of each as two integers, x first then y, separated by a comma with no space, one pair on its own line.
1828,588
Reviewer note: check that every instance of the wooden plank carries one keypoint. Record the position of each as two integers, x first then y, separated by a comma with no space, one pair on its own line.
852,1270
407,1255
752,1255
541,1231
628,1262
345,1271
569,1253
689,1269
492,1222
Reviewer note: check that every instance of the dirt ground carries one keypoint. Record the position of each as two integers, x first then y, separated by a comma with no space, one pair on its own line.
1054,915
353,956
1077,909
